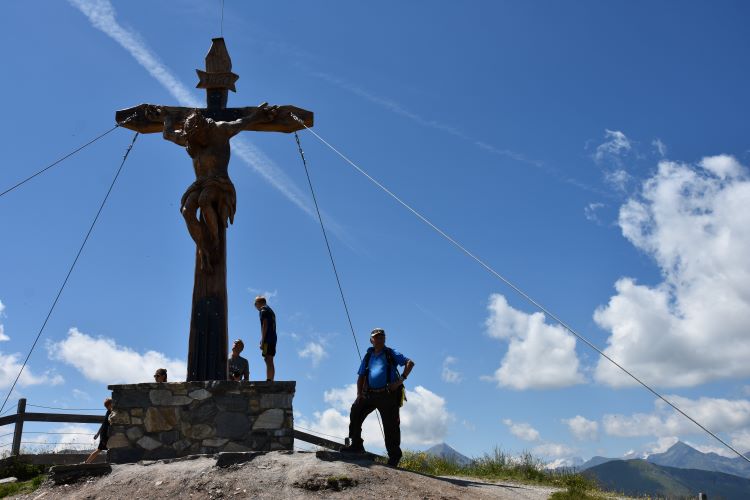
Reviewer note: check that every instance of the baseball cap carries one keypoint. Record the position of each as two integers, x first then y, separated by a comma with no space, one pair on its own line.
377,331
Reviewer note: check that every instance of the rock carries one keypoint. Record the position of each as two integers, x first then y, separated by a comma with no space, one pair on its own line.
231,403
118,440
148,443
182,445
232,425
66,474
134,433
201,431
283,401
226,459
163,397
269,419
214,442
119,418
131,399
160,419
200,394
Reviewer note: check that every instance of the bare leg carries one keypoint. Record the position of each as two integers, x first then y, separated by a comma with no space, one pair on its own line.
93,456
270,368
206,203
195,228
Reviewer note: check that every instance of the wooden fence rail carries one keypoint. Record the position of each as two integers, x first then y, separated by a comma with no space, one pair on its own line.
22,416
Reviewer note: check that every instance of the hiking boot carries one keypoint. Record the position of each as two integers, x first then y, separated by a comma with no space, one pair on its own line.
393,462
352,448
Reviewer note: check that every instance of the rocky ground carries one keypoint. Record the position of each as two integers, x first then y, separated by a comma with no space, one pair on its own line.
278,475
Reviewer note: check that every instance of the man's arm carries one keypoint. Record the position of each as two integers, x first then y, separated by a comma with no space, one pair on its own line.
263,329
262,114
360,387
407,370
246,371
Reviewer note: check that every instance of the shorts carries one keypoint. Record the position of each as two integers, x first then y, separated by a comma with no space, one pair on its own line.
268,349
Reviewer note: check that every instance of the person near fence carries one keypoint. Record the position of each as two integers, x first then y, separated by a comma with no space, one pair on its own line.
103,433
379,386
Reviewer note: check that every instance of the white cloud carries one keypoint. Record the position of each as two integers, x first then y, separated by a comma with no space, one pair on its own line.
10,365
590,212
424,418
582,428
662,444
615,145
741,440
723,166
3,337
449,375
692,327
314,351
522,430
539,356
66,437
102,360
617,178
717,415
660,147
79,394
263,293
553,450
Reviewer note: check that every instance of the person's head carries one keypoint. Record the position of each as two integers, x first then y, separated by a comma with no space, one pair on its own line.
377,338
196,125
260,301
160,375
238,346
108,403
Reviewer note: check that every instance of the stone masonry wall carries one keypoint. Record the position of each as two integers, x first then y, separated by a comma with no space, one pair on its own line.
156,421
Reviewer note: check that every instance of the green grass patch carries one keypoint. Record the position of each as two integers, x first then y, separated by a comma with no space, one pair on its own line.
501,466
21,488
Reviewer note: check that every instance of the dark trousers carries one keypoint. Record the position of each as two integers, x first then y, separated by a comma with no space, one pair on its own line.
387,404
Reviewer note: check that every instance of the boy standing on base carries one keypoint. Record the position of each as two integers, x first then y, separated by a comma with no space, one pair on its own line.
267,335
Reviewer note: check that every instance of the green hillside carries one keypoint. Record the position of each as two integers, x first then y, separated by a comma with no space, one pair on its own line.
638,477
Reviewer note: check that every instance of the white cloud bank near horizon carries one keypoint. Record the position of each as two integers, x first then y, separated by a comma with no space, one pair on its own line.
102,360
424,418
539,355
691,328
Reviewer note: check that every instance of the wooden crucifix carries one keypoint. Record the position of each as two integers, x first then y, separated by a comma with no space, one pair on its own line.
208,205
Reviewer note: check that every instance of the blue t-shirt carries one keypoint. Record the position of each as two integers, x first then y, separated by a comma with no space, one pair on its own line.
377,378
267,314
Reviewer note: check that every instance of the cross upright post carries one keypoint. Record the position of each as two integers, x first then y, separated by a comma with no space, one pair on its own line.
208,205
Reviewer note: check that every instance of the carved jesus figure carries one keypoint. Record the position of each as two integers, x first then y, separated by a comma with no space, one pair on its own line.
207,143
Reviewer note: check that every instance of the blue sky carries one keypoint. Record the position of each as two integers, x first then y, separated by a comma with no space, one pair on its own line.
593,153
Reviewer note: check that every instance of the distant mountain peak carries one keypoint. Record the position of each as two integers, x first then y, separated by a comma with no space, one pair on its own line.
443,450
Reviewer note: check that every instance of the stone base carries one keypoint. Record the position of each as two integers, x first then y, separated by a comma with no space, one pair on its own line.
176,419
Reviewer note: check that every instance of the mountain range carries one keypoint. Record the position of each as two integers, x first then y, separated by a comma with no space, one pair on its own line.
684,456
640,477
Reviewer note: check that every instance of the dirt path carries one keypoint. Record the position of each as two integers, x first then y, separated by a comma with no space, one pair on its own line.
279,475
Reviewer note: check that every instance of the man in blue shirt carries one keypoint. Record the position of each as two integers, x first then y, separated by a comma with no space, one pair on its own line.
267,335
379,386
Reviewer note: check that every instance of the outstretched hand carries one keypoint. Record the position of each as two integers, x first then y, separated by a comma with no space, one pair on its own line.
266,113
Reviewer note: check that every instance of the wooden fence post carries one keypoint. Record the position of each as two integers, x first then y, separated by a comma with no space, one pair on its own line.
19,427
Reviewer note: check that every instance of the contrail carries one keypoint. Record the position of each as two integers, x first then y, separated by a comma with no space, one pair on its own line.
102,16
